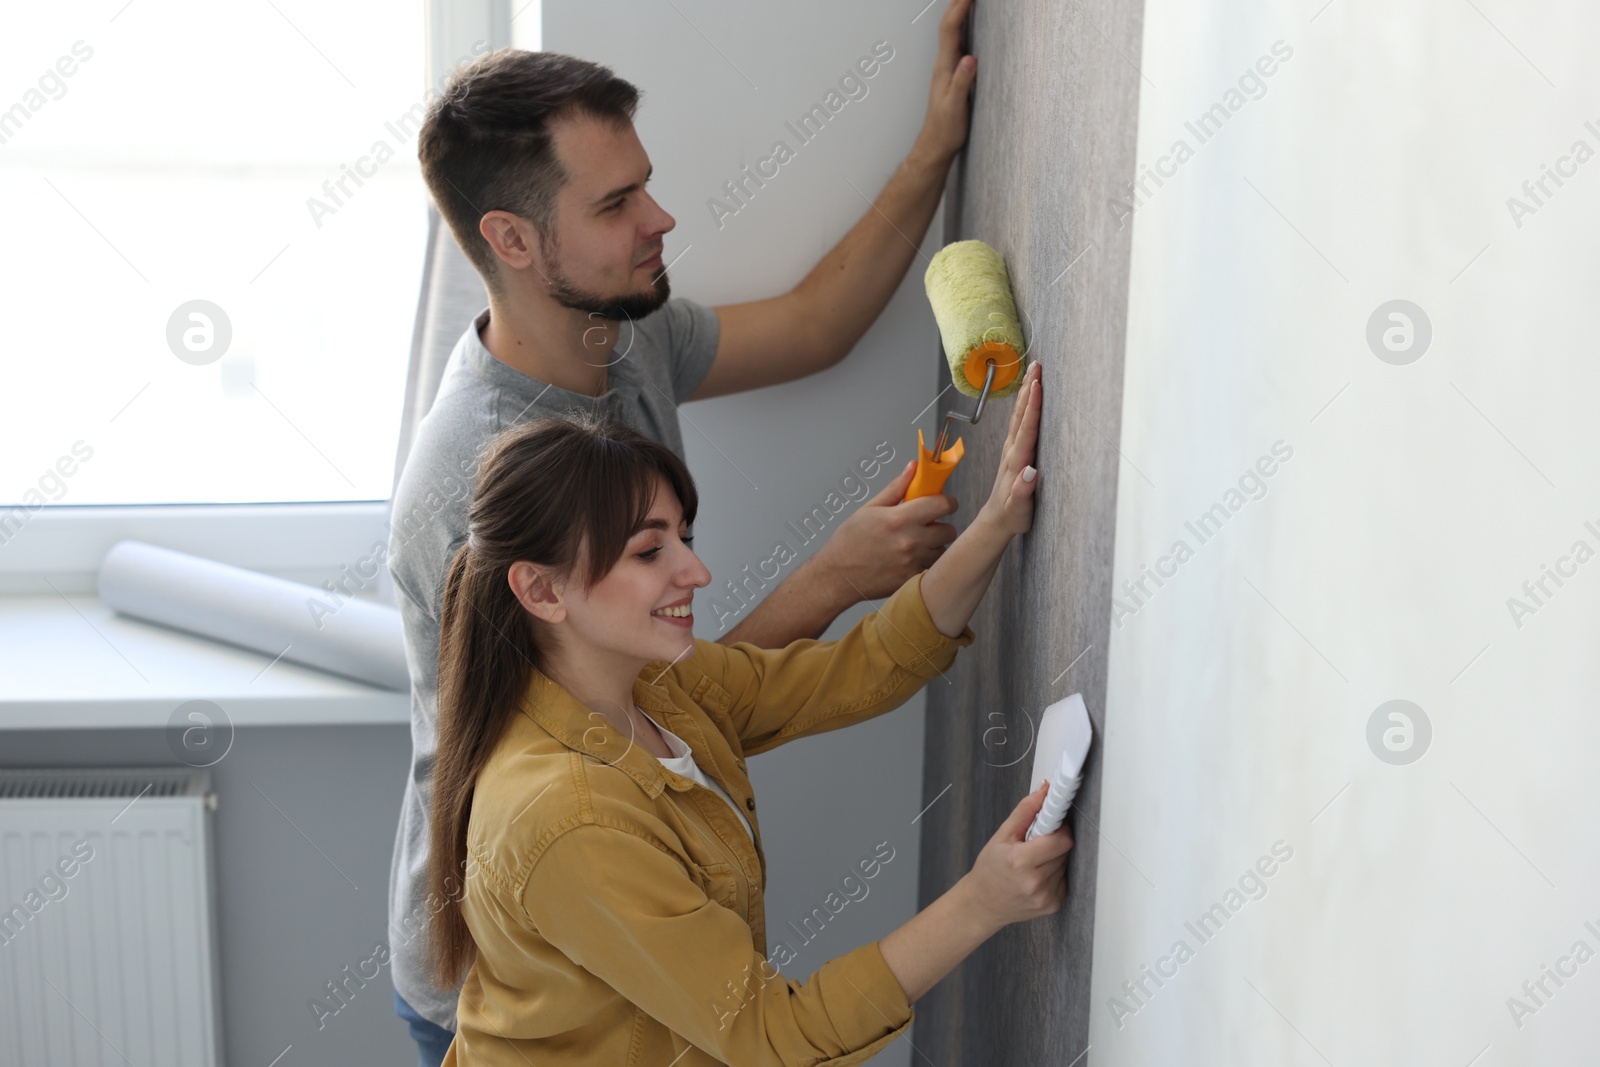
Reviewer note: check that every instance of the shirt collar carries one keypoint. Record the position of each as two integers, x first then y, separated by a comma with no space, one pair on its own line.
586,731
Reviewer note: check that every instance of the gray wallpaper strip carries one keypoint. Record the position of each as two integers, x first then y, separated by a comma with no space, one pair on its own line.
1053,137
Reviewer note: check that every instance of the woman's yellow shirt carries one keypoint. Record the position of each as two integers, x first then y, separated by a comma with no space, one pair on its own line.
617,905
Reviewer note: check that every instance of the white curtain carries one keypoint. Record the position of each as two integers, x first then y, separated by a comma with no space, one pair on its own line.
451,291
451,294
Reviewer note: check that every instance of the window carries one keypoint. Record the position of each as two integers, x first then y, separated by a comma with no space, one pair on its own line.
213,249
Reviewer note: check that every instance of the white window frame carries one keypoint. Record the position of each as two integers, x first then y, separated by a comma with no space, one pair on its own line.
61,546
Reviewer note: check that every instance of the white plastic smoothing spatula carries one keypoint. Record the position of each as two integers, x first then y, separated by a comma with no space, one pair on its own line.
1064,737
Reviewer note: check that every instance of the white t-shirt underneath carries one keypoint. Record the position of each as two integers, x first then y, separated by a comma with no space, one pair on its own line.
682,762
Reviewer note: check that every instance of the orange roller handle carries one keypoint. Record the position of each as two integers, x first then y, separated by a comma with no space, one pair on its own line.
933,470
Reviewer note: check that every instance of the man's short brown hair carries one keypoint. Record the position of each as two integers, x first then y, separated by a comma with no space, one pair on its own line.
486,142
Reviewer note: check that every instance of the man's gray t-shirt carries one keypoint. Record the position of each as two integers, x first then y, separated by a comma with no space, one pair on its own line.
654,367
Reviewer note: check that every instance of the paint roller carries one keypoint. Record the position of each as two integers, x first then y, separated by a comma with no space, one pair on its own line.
972,302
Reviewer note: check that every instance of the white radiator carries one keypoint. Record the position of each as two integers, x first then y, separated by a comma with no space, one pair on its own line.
107,930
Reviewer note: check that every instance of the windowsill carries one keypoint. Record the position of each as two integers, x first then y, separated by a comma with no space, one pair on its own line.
71,663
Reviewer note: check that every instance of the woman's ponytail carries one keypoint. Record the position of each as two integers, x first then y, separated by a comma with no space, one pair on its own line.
486,650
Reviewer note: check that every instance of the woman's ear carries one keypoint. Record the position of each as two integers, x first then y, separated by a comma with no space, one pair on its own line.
536,591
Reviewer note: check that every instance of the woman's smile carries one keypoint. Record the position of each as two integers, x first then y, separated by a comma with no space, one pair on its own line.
679,613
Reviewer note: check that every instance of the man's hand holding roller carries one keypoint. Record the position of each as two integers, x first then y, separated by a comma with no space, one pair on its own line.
897,537
886,541
870,555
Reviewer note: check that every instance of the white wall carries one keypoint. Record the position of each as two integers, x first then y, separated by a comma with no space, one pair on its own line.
717,92
1379,562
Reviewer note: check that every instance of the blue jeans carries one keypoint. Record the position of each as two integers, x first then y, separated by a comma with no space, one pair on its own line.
432,1040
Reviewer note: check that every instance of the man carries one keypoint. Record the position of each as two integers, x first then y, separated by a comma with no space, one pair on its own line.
533,161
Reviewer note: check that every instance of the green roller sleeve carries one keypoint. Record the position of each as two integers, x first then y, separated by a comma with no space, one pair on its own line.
971,296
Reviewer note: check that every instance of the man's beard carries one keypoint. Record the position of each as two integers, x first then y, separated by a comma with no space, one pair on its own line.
628,306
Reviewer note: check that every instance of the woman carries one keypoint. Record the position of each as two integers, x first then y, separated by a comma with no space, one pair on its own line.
591,781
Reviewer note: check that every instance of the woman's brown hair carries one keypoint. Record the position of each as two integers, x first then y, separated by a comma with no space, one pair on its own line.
552,492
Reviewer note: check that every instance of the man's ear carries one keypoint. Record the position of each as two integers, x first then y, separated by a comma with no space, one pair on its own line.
537,591
513,239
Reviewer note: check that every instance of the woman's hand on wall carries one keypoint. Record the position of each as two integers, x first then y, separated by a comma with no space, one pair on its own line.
956,582
1010,505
